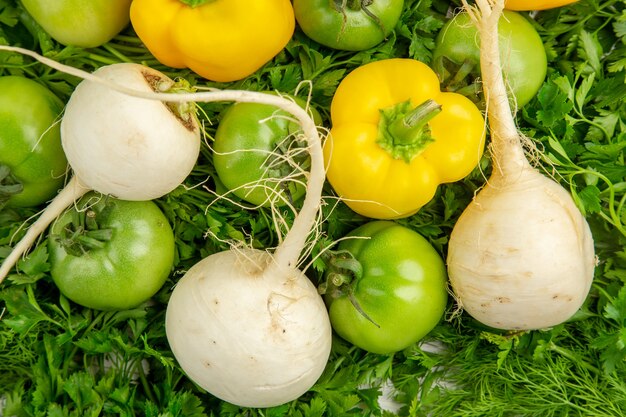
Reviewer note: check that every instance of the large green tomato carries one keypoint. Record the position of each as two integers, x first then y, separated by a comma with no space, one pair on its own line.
111,254
393,295
456,57
250,148
350,25
84,23
32,161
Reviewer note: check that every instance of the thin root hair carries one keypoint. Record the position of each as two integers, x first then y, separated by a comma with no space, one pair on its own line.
192,187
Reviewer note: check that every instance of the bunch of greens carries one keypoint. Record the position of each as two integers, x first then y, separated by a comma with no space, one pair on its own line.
59,359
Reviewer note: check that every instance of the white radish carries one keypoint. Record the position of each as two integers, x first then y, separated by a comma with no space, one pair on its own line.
521,255
246,325
128,147
249,330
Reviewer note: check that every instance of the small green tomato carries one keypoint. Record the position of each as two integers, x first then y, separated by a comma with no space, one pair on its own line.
32,161
84,23
389,291
111,254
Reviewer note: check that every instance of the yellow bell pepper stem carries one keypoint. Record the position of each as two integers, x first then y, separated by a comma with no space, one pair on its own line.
195,3
405,134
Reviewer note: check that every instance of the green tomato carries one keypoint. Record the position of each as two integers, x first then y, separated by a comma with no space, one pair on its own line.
456,57
391,289
111,254
249,151
350,25
84,23
32,161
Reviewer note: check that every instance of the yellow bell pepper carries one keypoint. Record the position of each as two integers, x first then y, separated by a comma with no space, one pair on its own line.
395,137
221,40
535,4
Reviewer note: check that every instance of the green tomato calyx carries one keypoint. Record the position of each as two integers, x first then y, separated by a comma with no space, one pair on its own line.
83,233
9,185
356,6
344,270
459,78
403,130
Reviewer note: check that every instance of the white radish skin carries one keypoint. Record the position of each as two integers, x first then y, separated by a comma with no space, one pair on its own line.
529,266
248,336
521,255
260,294
141,157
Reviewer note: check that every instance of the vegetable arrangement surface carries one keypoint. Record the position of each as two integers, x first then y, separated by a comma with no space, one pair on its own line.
58,357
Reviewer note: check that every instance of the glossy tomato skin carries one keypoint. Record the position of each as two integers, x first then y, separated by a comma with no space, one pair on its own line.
402,289
83,23
521,49
247,135
128,269
350,28
30,141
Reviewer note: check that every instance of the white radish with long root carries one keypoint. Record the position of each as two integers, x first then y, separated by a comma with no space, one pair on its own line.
116,144
246,325
521,255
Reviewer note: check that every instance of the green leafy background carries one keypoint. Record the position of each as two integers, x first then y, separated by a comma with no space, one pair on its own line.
58,359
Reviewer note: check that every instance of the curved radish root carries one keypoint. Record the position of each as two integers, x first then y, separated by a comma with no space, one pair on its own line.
521,255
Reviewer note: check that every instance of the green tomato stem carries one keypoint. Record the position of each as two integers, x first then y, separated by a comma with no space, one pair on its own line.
358,308
342,5
465,70
344,269
461,79
72,192
404,132
83,234
9,185
471,91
